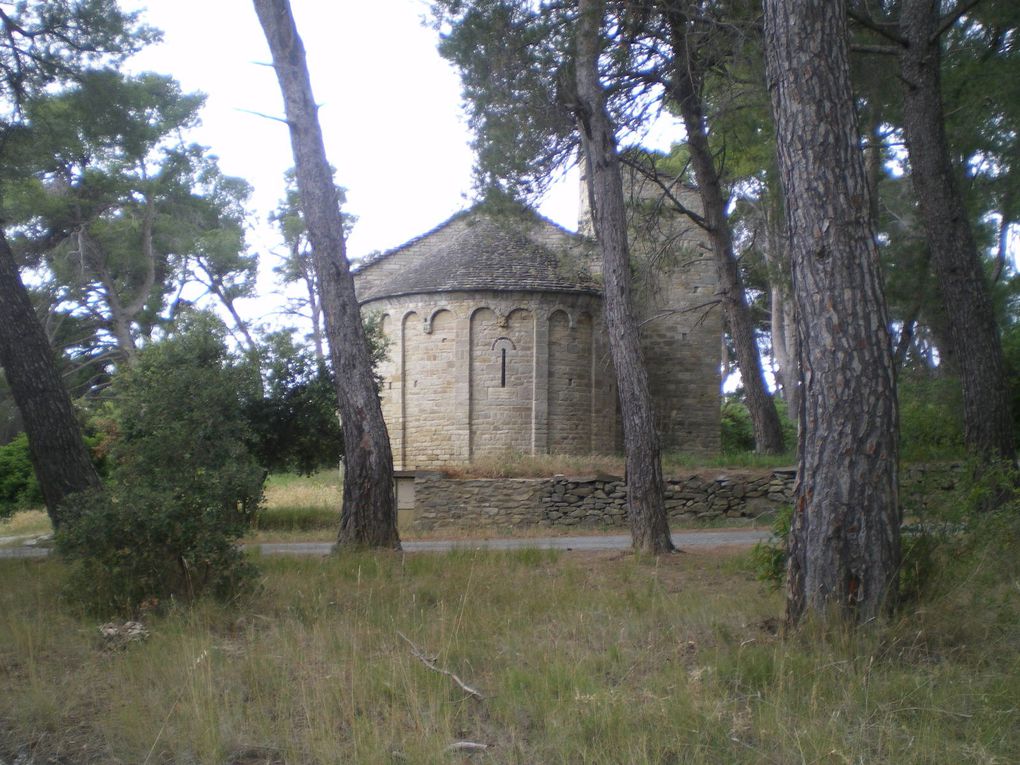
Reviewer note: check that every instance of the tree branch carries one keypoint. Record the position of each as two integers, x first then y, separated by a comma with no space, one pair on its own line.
951,18
266,116
431,664
882,50
888,31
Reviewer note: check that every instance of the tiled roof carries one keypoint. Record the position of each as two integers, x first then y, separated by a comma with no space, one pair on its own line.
476,251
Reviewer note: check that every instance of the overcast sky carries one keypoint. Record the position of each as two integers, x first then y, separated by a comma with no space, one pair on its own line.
390,110
390,107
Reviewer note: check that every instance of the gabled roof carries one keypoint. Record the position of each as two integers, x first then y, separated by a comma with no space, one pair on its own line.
474,250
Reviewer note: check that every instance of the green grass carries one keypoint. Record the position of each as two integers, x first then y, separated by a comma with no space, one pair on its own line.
678,462
603,658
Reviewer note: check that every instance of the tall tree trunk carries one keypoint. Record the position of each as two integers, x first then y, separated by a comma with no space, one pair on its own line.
59,455
786,377
368,517
645,488
784,325
973,333
315,309
844,543
685,88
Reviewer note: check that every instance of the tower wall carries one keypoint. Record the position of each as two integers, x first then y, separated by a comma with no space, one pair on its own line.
675,282
472,374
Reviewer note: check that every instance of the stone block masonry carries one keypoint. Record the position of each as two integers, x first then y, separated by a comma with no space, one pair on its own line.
489,504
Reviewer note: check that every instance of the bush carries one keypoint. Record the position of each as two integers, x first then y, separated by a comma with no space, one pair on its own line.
931,417
183,485
178,421
293,419
956,530
768,559
738,432
18,488
136,547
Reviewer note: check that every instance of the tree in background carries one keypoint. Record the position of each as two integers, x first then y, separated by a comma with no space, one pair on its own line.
844,549
985,37
695,39
368,516
531,107
43,45
292,415
123,214
297,265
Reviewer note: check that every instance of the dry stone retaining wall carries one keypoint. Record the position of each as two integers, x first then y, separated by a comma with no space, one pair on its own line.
591,501
600,501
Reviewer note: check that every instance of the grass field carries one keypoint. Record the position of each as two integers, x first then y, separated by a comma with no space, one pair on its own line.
598,658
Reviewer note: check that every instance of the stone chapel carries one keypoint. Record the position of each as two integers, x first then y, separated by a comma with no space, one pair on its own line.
497,344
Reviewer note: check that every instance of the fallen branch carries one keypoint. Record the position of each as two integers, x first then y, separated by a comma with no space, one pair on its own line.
431,664
466,746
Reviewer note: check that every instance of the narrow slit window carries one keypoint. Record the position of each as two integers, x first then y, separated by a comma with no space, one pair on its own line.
503,344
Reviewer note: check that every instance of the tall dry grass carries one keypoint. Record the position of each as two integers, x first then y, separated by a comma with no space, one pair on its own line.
517,465
24,524
580,659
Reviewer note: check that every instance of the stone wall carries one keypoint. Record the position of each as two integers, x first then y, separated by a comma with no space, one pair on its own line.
588,502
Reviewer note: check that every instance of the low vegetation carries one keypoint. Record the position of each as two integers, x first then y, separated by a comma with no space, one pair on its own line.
517,465
578,658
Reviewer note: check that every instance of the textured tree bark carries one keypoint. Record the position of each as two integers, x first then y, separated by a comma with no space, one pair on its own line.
973,332
59,454
645,488
844,543
685,88
368,517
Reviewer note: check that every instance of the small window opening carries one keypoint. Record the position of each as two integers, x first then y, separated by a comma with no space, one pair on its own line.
502,368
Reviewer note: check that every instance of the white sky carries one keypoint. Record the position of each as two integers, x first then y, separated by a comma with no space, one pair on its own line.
390,112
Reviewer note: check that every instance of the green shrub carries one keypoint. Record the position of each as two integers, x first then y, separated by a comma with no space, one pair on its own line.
931,417
737,433
130,548
18,488
179,424
183,485
768,559
293,419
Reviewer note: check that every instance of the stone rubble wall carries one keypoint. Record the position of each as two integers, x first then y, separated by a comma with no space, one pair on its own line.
589,501
600,501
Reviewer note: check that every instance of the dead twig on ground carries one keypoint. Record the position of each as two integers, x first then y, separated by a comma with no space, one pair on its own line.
431,664
466,746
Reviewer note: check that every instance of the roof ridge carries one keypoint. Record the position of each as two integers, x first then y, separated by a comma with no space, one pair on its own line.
478,249
371,261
